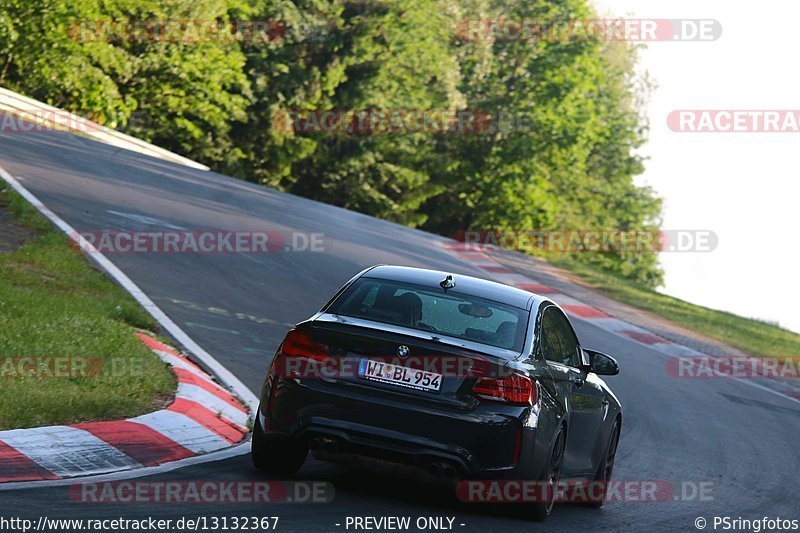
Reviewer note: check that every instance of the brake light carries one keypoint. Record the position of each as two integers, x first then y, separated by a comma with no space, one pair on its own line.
515,389
299,344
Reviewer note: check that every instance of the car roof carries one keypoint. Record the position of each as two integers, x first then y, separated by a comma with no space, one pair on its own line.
466,285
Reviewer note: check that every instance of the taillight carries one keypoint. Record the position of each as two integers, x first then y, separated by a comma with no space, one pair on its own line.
297,358
300,344
515,389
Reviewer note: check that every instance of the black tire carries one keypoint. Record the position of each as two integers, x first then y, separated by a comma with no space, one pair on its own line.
540,510
281,457
606,468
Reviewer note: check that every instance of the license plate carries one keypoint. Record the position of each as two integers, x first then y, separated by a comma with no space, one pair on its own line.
401,376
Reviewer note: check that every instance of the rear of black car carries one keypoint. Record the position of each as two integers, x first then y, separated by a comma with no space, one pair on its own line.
398,370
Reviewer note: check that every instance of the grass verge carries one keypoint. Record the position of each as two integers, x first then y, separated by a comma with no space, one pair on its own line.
67,349
752,336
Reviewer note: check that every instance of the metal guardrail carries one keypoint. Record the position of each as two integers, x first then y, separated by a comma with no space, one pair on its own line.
31,110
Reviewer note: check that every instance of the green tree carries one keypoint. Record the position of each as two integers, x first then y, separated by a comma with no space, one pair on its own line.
559,152
186,95
379,55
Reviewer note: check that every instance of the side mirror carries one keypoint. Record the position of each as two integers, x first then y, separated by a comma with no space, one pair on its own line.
602,364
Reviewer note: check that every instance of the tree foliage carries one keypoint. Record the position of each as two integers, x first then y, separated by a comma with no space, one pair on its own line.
559,151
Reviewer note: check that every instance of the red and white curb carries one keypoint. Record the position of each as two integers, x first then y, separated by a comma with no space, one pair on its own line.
203,418
10,457
481,258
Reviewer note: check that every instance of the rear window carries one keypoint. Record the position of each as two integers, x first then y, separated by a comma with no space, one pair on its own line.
432,310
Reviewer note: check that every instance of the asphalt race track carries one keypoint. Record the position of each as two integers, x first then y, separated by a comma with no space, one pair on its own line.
741,439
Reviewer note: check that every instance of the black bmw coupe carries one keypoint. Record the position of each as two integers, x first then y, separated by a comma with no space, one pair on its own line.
444,376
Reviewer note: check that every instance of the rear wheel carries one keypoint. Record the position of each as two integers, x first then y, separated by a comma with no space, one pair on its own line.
603,476
282,457
542,508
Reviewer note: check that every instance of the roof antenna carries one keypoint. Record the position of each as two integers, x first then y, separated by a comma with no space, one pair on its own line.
448,282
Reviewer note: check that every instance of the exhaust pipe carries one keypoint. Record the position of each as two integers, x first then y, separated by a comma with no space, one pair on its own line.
323,444
329,446
433,469
449,472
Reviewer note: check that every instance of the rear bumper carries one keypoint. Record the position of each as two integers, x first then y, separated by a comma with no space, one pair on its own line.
354,426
